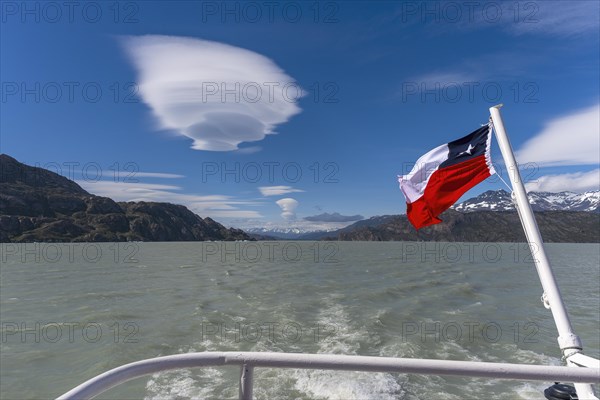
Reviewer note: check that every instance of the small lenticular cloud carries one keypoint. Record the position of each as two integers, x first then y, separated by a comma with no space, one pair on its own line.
288,207
216,94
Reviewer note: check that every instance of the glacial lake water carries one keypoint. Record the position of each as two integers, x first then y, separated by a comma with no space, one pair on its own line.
71,311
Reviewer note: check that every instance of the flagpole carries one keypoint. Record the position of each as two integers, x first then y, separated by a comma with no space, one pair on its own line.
568,341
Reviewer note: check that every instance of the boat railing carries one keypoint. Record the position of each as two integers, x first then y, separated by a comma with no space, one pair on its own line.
249,361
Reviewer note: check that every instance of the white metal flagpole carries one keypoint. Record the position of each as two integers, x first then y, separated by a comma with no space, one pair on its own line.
568,341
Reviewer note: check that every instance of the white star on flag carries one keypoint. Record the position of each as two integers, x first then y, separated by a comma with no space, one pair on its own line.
468,150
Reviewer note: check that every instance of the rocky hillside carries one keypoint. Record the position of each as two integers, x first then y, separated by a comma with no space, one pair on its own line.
39,205
478,226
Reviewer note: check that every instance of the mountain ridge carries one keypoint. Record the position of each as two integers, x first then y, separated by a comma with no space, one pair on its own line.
500,200
40,205
476,226
491,201
562,217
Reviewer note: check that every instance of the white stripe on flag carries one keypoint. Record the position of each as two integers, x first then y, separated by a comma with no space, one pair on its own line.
413,185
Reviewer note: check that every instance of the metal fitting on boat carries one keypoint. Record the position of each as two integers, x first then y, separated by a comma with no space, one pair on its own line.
545,300
560,391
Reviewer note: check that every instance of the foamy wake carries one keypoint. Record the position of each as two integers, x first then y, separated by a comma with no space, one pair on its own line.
341,384
351,337
184,384
209,383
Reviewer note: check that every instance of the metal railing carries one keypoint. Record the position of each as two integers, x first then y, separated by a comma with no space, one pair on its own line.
248,361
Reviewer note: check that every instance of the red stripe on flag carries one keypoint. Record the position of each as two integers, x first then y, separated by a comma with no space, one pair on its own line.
444,188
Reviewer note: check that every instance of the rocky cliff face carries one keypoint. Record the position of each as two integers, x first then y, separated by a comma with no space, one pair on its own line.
39,205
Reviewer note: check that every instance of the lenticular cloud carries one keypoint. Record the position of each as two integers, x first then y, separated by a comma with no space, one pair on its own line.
288,207
216,94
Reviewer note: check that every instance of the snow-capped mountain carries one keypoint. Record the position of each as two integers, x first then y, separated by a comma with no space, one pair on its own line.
283,233
499,200
292,232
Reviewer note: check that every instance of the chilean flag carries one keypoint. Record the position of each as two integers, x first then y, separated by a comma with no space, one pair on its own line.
441,176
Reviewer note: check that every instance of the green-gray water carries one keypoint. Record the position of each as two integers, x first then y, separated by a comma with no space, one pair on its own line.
71,311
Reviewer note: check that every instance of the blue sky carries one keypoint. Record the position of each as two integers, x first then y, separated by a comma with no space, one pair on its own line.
265,113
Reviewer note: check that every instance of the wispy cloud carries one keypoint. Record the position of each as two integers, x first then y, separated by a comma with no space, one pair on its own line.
131,175
248,150
215,94
567,18
447,77
572,139
214,206
555,18
573,182
288,207
278,190
474,72
160,175
123,190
